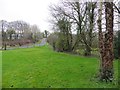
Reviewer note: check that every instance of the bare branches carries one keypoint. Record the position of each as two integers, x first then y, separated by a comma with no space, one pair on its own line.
118,9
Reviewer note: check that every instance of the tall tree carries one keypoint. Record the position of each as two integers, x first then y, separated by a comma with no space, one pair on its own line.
89,23
106,43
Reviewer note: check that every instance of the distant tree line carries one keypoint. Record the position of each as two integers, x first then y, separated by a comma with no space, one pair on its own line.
18,33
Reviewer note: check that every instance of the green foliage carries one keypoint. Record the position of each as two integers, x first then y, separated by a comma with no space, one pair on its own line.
63,42
41,67
52,39
59,45
117,45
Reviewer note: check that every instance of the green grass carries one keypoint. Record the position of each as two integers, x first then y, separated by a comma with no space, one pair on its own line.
41,67
0,69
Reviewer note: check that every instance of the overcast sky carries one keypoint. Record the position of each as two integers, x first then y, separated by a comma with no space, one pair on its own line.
31,11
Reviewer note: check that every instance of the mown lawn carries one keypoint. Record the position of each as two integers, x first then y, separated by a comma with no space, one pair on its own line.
41,67
0,69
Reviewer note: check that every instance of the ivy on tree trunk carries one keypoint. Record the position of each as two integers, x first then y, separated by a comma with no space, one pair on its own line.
106,44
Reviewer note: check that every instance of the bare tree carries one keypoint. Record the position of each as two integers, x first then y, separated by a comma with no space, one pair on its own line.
82,16
36,34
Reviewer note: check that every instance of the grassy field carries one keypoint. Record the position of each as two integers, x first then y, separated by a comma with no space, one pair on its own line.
0,69
41,67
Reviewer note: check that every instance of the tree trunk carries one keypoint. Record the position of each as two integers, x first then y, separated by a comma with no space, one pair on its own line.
91,21
87,51
106,44
5,46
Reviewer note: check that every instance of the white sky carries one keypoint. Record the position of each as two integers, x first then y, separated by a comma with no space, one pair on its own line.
31,11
